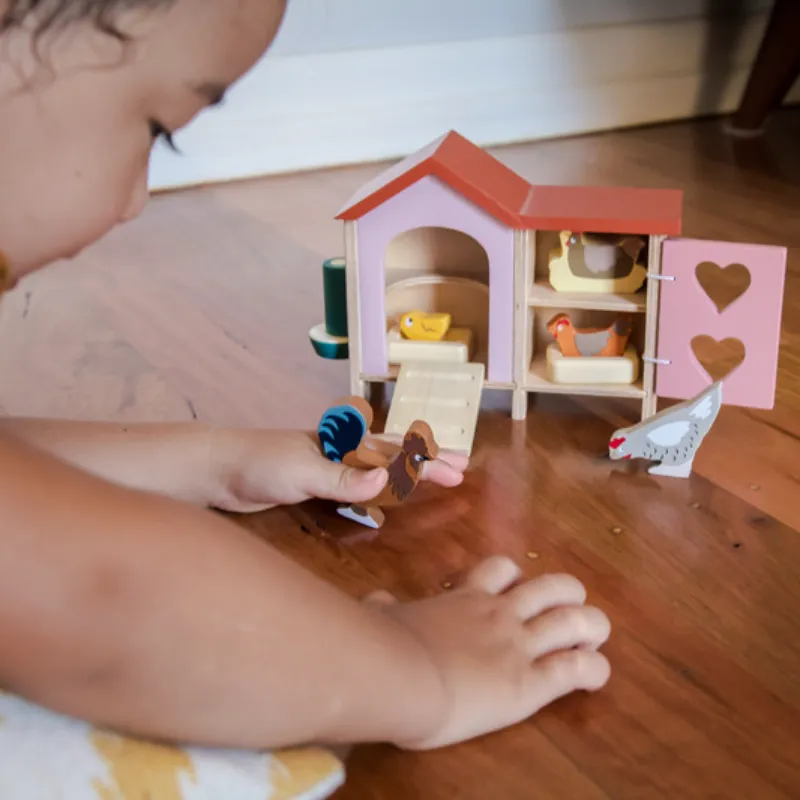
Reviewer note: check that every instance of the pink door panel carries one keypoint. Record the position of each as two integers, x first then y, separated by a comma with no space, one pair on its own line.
754,318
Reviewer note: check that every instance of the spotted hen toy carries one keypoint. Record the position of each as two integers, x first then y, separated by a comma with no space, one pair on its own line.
671,437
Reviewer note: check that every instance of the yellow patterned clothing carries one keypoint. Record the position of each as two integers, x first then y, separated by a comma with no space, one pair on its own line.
46,756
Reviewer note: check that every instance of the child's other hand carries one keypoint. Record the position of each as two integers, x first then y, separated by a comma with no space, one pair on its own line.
503,649
260,469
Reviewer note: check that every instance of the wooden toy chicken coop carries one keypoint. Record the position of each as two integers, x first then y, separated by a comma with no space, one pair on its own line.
549,289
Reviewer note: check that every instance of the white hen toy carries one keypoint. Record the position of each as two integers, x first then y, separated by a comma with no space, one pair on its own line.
671,437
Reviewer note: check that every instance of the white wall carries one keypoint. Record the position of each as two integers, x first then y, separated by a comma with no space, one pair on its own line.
361,80
318,26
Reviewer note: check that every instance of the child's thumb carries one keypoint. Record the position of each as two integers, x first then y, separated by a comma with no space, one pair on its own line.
350,485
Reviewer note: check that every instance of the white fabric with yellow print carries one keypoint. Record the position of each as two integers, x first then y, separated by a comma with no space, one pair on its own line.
46,756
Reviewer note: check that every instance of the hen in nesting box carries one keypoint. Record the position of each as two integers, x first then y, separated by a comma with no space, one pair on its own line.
593,262
603,342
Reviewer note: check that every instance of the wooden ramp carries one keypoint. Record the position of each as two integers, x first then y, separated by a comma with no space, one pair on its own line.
446,395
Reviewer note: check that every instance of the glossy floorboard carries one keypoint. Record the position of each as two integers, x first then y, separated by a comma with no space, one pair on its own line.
201,308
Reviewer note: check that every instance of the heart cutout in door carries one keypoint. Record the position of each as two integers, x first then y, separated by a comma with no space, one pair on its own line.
718,359
723,285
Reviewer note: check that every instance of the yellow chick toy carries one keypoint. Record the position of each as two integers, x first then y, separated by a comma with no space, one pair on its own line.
424,326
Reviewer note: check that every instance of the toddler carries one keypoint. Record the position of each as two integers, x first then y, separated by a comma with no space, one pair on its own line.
125,600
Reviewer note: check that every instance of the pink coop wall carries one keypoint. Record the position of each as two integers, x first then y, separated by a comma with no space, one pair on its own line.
431,203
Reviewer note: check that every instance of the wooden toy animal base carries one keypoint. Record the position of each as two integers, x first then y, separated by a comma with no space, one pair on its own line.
589,370
371,517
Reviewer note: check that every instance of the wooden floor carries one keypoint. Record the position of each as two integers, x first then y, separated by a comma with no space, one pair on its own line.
202,307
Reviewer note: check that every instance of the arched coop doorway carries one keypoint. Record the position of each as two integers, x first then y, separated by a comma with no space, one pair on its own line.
437,269
453,255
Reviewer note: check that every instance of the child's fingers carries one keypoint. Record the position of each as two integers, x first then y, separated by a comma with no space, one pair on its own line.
564,672
564,628
333,481
458,462
493,576
381,597
442,473
388,444
535,596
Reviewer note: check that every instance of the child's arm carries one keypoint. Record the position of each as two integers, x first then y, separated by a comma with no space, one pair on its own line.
155,617
232,469
175,459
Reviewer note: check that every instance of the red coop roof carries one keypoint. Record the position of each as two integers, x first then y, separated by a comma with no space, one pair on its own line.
508,197
456,161
604,209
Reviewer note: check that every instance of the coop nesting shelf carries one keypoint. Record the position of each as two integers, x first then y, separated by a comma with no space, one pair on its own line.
542,295
550,374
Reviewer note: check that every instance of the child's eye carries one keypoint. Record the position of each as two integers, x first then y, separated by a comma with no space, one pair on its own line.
157,130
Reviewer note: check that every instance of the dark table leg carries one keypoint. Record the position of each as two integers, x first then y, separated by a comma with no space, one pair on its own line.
774,71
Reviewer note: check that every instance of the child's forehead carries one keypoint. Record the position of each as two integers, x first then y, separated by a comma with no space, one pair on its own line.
216,40
166,61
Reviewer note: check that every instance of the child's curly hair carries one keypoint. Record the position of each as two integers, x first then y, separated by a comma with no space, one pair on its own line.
48,14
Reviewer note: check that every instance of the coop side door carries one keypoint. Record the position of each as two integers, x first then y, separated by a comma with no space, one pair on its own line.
705,317
445,395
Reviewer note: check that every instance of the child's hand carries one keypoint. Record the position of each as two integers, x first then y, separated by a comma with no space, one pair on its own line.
261,469
503,649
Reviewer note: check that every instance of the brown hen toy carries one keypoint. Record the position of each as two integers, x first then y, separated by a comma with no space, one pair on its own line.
343,435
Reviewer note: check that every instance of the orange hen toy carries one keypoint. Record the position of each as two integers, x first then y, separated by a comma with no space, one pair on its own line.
575,342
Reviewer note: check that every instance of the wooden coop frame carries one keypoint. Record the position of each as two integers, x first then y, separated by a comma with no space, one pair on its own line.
487,184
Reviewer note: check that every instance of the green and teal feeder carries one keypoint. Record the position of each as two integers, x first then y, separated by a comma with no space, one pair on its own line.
329,338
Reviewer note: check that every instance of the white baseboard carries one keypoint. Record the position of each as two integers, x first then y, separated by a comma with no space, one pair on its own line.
329,109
